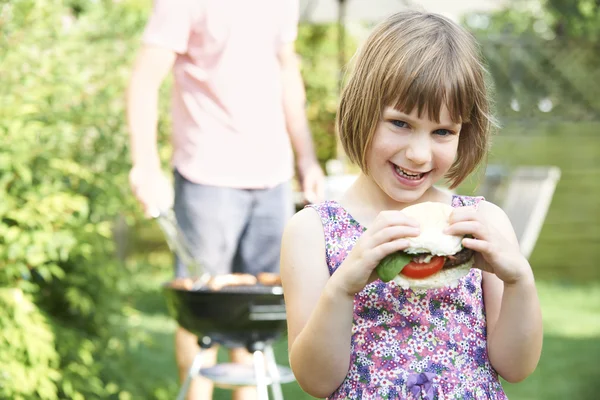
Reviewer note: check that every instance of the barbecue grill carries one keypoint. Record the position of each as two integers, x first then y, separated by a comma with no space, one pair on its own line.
250,316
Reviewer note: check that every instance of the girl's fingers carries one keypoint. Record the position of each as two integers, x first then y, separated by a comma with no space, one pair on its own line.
463,214
480,246
386,248
393,232
473,228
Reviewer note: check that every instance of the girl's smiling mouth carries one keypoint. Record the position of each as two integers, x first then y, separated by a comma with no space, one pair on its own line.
408,177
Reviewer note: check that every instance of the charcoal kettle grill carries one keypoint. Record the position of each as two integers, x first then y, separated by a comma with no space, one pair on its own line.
250,316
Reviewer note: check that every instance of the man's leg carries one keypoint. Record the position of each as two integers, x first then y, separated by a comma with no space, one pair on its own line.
261,242
186,349
259,248
242,356
212,220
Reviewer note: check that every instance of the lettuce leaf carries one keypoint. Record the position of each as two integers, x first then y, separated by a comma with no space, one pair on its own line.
392,265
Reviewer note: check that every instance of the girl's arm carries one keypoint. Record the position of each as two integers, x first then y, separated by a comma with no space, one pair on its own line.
319,308
319,313
514,319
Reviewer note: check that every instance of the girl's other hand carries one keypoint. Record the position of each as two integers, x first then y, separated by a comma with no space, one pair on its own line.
495,253
386,235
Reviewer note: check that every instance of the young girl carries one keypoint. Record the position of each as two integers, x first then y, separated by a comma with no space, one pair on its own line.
413,112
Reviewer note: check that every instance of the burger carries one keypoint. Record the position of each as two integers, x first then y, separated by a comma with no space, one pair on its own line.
433,259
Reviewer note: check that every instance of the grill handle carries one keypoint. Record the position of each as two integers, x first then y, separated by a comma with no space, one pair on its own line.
274,312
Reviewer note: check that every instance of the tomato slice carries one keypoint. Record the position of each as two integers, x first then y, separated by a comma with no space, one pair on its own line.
417,270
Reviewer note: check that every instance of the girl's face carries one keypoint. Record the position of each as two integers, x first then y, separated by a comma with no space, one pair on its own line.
409,154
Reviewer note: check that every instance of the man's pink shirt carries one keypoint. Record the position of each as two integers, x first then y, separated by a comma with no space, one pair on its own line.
227,109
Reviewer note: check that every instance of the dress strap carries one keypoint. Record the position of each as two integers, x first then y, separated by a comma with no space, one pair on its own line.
327,211
466,201
341,231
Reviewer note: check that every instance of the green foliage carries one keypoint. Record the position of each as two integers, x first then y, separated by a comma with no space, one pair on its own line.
63,180
566,19
28,355
543,59
317,46
575,19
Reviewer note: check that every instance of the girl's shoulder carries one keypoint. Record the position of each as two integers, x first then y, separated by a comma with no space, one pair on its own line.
314,219
307,219
303,234
336,220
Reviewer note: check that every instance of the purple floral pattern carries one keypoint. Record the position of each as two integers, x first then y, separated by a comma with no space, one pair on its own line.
412,344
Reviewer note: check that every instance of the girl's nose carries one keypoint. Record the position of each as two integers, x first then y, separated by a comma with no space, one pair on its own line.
419,149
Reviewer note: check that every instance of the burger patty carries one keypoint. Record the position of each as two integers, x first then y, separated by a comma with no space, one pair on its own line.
459,258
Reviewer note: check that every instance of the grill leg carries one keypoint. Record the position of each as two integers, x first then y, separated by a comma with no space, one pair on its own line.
261,376
274,373
192,373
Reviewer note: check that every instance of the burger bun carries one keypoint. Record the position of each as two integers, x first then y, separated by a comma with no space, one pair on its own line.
433,217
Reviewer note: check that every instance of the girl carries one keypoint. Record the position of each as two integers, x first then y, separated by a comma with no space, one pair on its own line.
414,111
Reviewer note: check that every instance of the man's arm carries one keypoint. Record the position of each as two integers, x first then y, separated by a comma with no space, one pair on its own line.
148,182
294,103
150,69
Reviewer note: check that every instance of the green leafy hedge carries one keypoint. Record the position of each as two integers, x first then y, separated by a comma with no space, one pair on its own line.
63,182
63,165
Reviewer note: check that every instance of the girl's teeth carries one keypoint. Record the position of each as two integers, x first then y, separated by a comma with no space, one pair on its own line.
407,175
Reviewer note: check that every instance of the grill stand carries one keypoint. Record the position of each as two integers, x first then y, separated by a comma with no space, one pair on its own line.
263,373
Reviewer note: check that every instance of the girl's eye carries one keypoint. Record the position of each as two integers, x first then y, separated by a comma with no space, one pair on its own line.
399,124
443,132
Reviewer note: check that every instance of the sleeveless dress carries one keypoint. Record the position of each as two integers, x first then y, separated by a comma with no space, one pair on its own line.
412,344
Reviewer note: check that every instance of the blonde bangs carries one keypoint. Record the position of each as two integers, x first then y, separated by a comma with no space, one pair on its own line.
427,75
431,89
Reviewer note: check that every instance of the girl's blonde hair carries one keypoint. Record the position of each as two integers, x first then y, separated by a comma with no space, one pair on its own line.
422,60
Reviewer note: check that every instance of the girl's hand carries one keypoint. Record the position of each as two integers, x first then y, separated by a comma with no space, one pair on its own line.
385,236
494,252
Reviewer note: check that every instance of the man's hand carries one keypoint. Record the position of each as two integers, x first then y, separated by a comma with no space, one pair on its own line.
152,188
312,180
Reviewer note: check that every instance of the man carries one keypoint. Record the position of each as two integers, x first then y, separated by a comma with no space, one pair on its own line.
237,117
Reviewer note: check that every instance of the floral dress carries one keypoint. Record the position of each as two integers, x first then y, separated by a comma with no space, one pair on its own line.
412,344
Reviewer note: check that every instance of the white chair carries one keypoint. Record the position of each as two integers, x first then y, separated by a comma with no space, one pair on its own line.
526,201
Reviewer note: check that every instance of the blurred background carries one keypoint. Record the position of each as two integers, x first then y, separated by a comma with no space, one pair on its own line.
81,311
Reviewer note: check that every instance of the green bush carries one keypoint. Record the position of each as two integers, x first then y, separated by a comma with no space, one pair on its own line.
63,181
320,68
27,349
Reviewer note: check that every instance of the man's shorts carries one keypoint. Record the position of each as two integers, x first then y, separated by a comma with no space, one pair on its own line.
232,230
